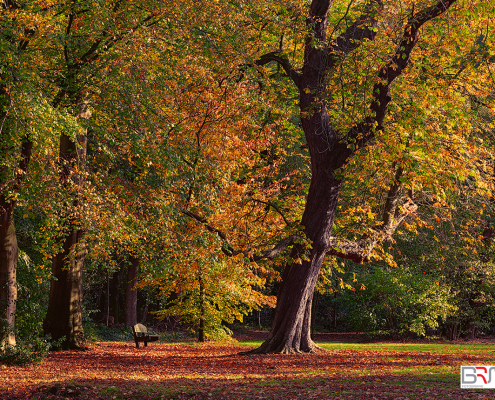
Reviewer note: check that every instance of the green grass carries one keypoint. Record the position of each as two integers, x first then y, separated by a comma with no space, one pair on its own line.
444,348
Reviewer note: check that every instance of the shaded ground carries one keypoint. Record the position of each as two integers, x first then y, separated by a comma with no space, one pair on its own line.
116,370
317,337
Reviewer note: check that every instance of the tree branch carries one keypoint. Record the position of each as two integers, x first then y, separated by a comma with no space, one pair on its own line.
204,221
400,60
358,251
363,28
274,206
283,61
229,250
270,254
360,134
393,215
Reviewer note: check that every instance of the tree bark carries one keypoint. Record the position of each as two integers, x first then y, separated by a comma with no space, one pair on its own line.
115,294
290,332
131,292
8,241
9,250
8,263
64,315
201,330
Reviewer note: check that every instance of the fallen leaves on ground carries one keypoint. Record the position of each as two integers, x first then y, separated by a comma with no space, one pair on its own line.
116,370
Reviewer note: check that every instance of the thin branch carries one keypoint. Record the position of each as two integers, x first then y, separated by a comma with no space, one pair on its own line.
204,221
229,250
274,206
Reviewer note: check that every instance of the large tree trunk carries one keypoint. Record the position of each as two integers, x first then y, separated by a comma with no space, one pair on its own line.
131,293
8,264
64,315
291,327
9,250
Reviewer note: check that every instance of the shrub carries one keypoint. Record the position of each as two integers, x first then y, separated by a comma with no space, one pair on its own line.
26,351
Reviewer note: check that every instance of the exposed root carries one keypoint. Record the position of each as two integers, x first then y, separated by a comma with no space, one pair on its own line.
316,349
313,349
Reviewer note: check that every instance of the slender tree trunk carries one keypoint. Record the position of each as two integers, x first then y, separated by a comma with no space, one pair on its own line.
115,294
335,310
64,315
8,264
131,293
108,299
9,250
201,330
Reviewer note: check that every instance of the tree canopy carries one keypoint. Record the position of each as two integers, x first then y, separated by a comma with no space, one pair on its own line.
236,153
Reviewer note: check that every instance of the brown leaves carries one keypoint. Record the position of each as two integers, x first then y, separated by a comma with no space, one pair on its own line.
167,370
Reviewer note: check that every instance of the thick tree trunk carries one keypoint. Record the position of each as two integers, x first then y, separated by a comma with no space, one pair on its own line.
131,293
9,250
8,264
64,315
291,327
290,332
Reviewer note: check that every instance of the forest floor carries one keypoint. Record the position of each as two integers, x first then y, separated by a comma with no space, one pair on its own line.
348,369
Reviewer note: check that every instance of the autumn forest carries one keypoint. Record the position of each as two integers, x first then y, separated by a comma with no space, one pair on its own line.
213,167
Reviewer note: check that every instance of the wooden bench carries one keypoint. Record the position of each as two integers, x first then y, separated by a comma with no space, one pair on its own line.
140,334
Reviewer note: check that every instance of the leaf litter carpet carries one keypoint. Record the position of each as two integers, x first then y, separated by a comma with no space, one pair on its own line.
116,370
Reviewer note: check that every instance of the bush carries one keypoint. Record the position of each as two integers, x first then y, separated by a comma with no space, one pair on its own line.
30,351
398,301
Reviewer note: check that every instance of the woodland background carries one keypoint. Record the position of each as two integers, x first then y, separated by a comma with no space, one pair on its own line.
151,152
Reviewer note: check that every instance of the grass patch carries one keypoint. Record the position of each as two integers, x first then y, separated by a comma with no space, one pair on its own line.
443,348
